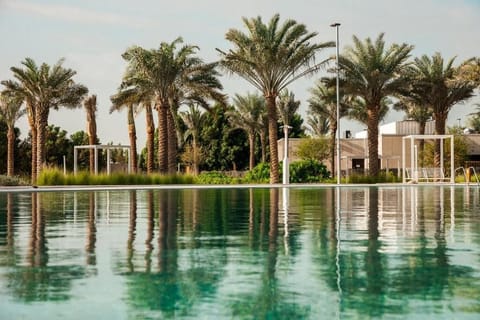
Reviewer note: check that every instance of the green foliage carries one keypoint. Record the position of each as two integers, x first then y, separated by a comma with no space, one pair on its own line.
12,181
314,149
215,177
306,171
53,176
259,174
460,146
383,177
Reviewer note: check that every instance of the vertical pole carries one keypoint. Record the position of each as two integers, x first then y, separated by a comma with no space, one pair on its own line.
74,160
108,161
286,167
403,160
96,159
452,159
338,105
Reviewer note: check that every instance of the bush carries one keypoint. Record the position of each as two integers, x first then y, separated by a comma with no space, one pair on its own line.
305,171
12,181
214,177
259,174
383,177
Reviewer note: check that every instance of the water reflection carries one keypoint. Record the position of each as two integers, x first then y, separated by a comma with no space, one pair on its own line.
247,253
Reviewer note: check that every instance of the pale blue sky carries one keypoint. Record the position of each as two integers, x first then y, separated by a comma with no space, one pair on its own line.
92,35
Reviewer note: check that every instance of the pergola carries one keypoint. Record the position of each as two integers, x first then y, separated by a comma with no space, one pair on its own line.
97,147
414,170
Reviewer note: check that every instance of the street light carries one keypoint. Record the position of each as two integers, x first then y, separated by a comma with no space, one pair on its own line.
286,169
336,25
459,121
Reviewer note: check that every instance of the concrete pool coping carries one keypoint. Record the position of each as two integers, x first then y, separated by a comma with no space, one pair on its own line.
10,189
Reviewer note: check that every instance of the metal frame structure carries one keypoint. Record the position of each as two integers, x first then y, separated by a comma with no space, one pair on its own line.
414,160
97,147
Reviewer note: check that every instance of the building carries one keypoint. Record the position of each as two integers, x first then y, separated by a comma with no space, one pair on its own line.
354,150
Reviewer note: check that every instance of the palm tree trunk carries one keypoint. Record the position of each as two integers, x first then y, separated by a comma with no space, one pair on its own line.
440,120
150,137
263,143
372,132
272,136
33,132
172,142
41,118
132,134
251,142
421,131
10,150
162,107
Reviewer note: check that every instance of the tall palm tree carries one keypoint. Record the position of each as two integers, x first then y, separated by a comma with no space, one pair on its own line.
194,119
270,57
90,105
46,87
10,111
441,88
128,99
163,72
246,116
372,72
323,105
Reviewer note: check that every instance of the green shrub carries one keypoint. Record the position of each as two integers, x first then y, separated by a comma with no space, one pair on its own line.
12,181
214,177
383,177
306,171
259,174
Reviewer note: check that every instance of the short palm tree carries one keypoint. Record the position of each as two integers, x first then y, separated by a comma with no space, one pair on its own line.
287,106
323,110
440,86
270,57
318,125
90,105
10,111
43,88
246,116
128,99
372,72
194,119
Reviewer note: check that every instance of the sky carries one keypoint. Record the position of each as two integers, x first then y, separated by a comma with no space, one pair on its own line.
91,35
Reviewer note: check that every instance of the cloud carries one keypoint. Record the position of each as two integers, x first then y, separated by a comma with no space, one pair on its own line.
74,14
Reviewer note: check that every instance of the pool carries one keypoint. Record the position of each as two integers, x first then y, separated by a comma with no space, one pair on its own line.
396,252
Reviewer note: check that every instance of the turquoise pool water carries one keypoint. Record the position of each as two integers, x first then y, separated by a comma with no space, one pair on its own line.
300,253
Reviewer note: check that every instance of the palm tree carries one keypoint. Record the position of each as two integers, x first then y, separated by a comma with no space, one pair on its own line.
164,72
318,125
415,109
287,106
128,99
323,107
45,88
10,112
270,57
90,105
440,86
246,116
194,119
372,72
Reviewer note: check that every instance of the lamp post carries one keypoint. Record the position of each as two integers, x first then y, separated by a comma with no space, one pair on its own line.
286,168
459,119
336,25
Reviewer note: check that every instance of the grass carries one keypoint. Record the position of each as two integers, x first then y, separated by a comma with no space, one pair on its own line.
55,177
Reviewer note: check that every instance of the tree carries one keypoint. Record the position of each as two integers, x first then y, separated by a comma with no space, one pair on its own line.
90,105
270,57
194,120
43,88
323,110
128,99
247,116
287,106
440,86
372,72
169,72
10,112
